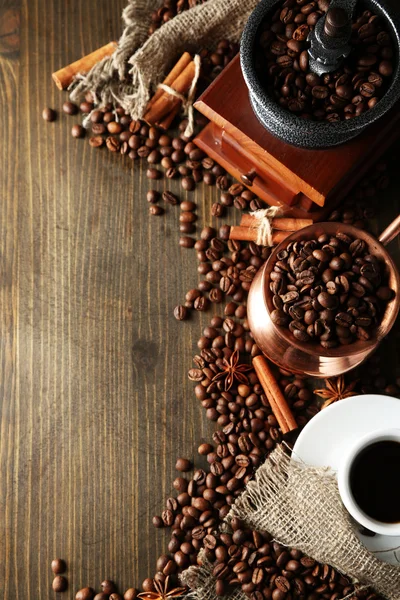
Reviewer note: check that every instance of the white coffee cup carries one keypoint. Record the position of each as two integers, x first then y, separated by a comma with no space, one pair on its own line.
392,435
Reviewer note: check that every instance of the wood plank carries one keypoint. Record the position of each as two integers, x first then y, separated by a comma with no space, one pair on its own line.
95,402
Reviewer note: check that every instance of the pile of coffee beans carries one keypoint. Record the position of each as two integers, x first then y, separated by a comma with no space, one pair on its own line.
247,432
266,570
282,63
330,290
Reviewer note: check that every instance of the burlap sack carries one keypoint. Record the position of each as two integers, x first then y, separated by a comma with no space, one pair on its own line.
301,507
131,75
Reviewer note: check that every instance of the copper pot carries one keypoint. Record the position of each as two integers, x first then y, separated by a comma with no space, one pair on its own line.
278,344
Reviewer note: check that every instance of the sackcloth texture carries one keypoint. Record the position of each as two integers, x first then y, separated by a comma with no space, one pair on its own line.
131,74
301,507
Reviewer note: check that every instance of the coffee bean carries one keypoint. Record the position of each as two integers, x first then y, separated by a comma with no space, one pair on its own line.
187,217
156,210
114,128
180,313
49,115
170,198
187,227
70,108
186,242
217,210
384,293
279,317
153,174
158,522
183,464
58,566
201,303
98,129
108,586
188,183
205,449
86,107
86,593
131,594
153,196
59,584
113,144
77,131
154,157
96,142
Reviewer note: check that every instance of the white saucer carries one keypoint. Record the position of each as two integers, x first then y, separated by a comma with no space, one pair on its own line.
326,436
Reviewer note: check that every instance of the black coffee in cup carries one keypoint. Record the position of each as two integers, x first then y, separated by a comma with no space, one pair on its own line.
375,481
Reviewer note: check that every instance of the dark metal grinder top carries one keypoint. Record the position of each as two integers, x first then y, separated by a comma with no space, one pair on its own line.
330,39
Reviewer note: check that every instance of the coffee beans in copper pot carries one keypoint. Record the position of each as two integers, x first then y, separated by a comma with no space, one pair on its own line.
329,290
282,64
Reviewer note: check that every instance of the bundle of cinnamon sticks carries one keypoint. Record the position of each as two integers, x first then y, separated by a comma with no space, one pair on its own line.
164,105
281,226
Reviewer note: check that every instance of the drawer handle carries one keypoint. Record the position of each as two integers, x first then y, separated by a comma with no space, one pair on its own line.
249,177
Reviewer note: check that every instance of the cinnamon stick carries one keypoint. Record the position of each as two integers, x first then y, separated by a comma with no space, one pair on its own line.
167,102
279,406
250,235
278,223
180,66
167,121
64,76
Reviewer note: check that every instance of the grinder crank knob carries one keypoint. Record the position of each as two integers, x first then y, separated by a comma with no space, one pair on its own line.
330,39
336,22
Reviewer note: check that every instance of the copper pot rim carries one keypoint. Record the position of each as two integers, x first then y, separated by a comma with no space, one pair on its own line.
392,309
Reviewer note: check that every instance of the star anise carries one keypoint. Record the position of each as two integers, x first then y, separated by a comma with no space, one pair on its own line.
232,370
336,389
162,593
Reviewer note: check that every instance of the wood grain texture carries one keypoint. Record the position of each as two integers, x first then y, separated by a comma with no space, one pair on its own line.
95,405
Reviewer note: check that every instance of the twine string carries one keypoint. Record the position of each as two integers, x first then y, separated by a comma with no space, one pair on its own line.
187,103
263,224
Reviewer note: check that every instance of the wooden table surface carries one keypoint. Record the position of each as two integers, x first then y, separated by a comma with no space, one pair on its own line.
95,403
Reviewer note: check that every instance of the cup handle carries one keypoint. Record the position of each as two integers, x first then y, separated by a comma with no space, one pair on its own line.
390,232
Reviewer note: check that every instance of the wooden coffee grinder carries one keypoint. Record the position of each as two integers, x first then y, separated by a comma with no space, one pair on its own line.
306,183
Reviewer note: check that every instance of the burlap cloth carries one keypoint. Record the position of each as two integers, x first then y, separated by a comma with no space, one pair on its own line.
131,74
301,507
